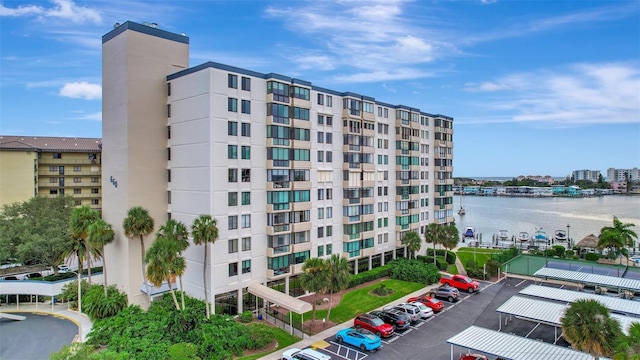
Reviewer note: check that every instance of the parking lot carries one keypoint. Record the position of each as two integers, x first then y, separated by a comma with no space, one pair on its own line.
427,339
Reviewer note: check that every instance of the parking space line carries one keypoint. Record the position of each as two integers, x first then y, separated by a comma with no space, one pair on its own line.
348,350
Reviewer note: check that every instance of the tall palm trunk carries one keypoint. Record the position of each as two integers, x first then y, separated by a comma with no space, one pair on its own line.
173,295
86,244
181,292
104,273
313,314
330,303
204,277
144,276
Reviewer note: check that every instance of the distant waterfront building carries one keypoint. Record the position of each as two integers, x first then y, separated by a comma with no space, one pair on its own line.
289,170
620,175
543,179
589,175
50,166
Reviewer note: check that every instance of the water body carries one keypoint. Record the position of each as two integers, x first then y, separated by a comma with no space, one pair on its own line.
489,214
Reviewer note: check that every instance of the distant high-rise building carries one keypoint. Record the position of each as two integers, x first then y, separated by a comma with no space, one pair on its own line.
619,175
289,170
590,175
50,166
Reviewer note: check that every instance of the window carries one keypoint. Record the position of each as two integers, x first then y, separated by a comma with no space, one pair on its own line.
329,194
77,168
246,266
320,156
329,120
95,202
168,153
329,249
320,119
168,89
379,111
233,269
320,213
53,180
233,246
246,152
329,212
329,156
53,192
57,155
246,221
329,101
232,128
232,104
320,232
246,243
320,194
320,251
95,180
232,151
53,168
329,138
233,222
386,113
233,199
320,137
301,93
246,107
95,191
77,180
246,129
329,230
233,175
246,83
77,191
246,198
320,99
232,81
246,175
168,110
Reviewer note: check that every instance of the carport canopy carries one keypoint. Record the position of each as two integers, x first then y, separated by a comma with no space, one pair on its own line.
589,279
281,299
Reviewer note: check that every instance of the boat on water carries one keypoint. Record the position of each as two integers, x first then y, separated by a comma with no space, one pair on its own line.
523,236
503,235
461,211
560,236
469,233
540,236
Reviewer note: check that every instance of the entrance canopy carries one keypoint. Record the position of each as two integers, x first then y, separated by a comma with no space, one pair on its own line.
288,302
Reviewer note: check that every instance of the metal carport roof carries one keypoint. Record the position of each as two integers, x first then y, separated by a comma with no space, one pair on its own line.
288,302
546,312
590,279
511,347
629,307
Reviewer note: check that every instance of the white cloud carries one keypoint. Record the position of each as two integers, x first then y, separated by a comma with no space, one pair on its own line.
91,117
61,9
81,90
578,94
21,10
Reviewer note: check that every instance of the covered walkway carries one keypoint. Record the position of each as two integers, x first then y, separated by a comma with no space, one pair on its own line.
280,299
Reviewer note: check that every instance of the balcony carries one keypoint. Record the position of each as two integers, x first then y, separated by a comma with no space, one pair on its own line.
278,273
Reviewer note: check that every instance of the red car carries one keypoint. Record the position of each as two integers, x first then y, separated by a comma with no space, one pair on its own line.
373,324
473,357
435,304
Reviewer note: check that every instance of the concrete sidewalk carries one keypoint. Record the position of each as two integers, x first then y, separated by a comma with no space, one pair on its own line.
60,310
277,355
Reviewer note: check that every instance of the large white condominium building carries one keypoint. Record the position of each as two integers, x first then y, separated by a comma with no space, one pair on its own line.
289,170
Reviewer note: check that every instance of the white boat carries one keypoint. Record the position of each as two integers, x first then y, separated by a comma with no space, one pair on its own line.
469,233
560,236
523,236
503,235
540,236
461,211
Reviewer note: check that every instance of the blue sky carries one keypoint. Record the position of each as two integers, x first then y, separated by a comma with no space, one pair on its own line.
535,87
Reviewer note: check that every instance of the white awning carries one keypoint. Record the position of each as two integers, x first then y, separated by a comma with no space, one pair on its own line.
278,298
589,279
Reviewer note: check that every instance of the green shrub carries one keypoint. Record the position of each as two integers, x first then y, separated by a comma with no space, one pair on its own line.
370,275
260,335
96,306
474,270
451,256
559,250
569,253
591,256
492,267
183,351
550,252
440,263
414,271
246,316
382,290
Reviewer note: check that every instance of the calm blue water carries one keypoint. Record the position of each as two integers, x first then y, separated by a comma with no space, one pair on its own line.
489,214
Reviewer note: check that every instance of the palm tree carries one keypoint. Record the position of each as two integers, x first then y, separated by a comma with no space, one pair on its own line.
314,278
433,234
628,347
176,232
611,239
99,235
339,271
451,239
204,231
588,327
139,224
624,230
412,241
81,218
161,262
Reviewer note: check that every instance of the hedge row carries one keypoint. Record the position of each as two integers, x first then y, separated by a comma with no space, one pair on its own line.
440,263
451,256
370,275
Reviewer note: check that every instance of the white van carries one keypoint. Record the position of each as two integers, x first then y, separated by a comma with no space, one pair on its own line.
304,354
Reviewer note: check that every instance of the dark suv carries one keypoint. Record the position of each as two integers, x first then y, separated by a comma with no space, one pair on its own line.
373,324
445,292
395,318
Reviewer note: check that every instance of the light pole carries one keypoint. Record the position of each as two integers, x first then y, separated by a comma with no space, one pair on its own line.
569,237
79,304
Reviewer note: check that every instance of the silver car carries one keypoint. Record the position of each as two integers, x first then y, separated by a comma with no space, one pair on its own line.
412,311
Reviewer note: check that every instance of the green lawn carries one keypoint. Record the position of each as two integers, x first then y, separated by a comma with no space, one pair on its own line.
453,269
481,256
284,339
360,301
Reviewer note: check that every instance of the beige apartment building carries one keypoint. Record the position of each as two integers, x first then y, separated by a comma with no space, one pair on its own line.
289,170
50,166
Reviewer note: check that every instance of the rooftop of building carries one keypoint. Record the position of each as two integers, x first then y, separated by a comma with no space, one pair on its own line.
50,144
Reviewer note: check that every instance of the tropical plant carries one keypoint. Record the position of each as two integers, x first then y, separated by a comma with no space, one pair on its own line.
98,306
628,346
99,235
314,278
412,241
451,238
164,263
588,327
622,233
137,225
81,218
339,275
434,234
177,232
204,231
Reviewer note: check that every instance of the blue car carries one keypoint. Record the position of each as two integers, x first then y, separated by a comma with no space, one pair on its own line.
362,339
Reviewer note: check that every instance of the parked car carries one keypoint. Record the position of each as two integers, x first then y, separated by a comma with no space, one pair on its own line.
473,357
445,291
398,319
10,278
304,354
364,340
373,324
32,275
63,269
425,311
461,282
412,311
435,304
